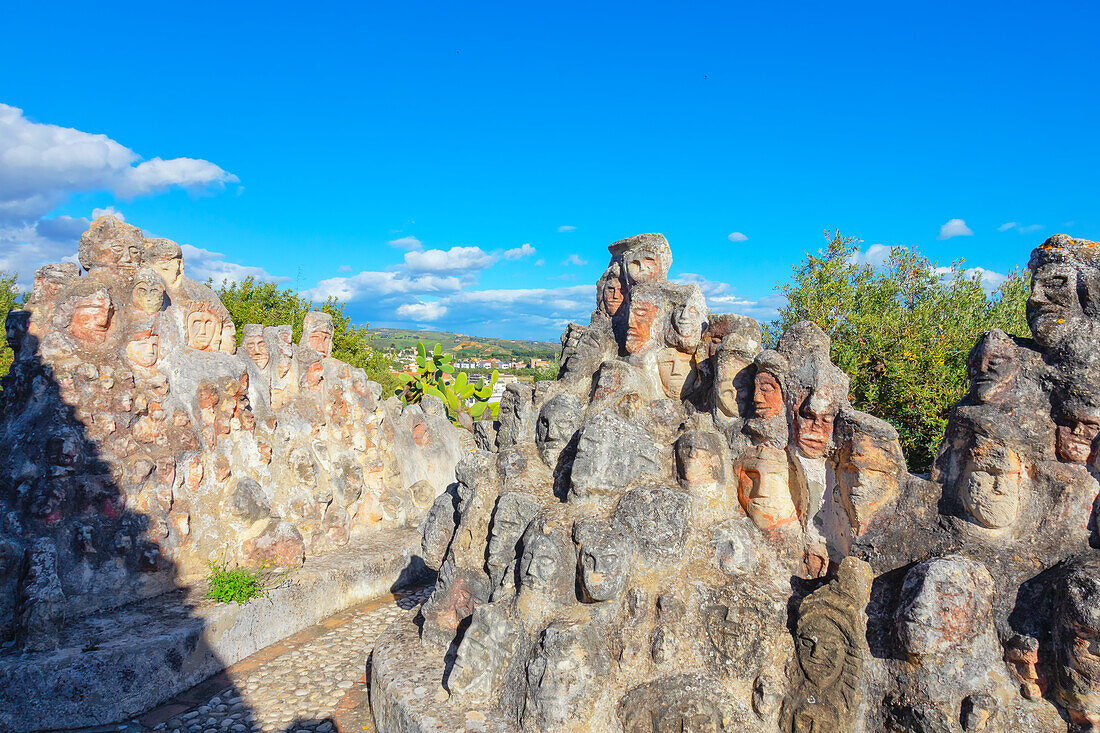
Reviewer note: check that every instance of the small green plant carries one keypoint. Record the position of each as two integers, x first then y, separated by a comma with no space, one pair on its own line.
236,585
464,400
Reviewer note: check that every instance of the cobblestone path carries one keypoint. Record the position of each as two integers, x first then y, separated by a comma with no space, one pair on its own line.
296,685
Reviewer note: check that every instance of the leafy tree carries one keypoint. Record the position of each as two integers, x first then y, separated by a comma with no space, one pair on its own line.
901,332
9,298
253,301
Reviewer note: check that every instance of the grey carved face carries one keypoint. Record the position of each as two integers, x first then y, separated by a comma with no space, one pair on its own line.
989,487
1076,637
1053,308
604,558
992,367
821,648
943,603
558,422
484,653
561,676
512,514
546,563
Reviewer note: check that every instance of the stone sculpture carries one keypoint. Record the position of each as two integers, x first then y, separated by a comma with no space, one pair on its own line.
713,539
137,444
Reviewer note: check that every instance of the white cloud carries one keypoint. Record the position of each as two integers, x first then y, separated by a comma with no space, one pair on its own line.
877,255
566,228
540,262
1021,228
108,211
201,264
721,299
574,259
374,285
454,260
954,228
1007,225
736,237
344,268
422,311
517,253
42,164
405,243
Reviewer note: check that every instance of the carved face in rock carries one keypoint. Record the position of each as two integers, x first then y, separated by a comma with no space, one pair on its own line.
255,346
483,656
732,383
143,349
111,245
558,422
16,326
1076,636
92,317
767,395
688,322
821,647
992,366
867,477
561,676
644,311
203,328
317,332
699,459
613,292
604,557
1054,306
148,293
1077,426
513,513
677,371
548,562
643,266
764,488
457,594
989,486
734,551
50,279
655,520
514,415
166,258
813,426
945,602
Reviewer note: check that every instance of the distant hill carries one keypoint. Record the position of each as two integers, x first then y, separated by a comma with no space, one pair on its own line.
396,339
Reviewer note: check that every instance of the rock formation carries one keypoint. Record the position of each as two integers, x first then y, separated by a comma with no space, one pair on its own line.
687,531
137,442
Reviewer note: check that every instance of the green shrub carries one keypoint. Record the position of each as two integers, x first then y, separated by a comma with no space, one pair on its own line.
464,400
236,585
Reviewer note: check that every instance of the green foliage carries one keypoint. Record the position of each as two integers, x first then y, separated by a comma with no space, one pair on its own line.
253,301
236,585
464,400
902,331
9,298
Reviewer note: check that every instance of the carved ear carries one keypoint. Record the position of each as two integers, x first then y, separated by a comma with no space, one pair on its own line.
1088,291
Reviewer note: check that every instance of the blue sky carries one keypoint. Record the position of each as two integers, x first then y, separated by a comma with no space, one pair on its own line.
297,141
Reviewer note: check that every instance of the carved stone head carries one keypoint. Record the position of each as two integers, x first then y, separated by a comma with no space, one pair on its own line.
93,313
436,530
50,280
1077,421
148,293
143,349
689,319
764,487
992,366
678,372
682,704
558,422
254,344
733,376
813,424
511,516
647,258
647,303
700,459
656,521
868,465
562,677
457,593
1065,289
516,416
113,245
604,557
767,394
612,290
317,331
166,258
204,326
548,563
486,650
1076,637
989,484
945,603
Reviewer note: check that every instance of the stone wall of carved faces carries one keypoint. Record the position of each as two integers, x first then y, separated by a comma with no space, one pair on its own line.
137,441
687,531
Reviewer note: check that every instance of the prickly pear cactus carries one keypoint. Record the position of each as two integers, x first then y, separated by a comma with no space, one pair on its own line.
465,401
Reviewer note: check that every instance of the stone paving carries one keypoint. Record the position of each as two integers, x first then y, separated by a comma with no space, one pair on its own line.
307,682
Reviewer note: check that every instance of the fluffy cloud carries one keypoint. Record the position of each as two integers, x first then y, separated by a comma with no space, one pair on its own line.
41,165
737,237
422,311
877,255
565,228
108,211
26,247
201,264
721,298
954,228
1021,228
405,243
456,260
574,259
373,285
518,253
1007,225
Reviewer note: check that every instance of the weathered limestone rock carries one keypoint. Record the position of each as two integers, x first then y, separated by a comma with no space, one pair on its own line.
687,531
137,443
